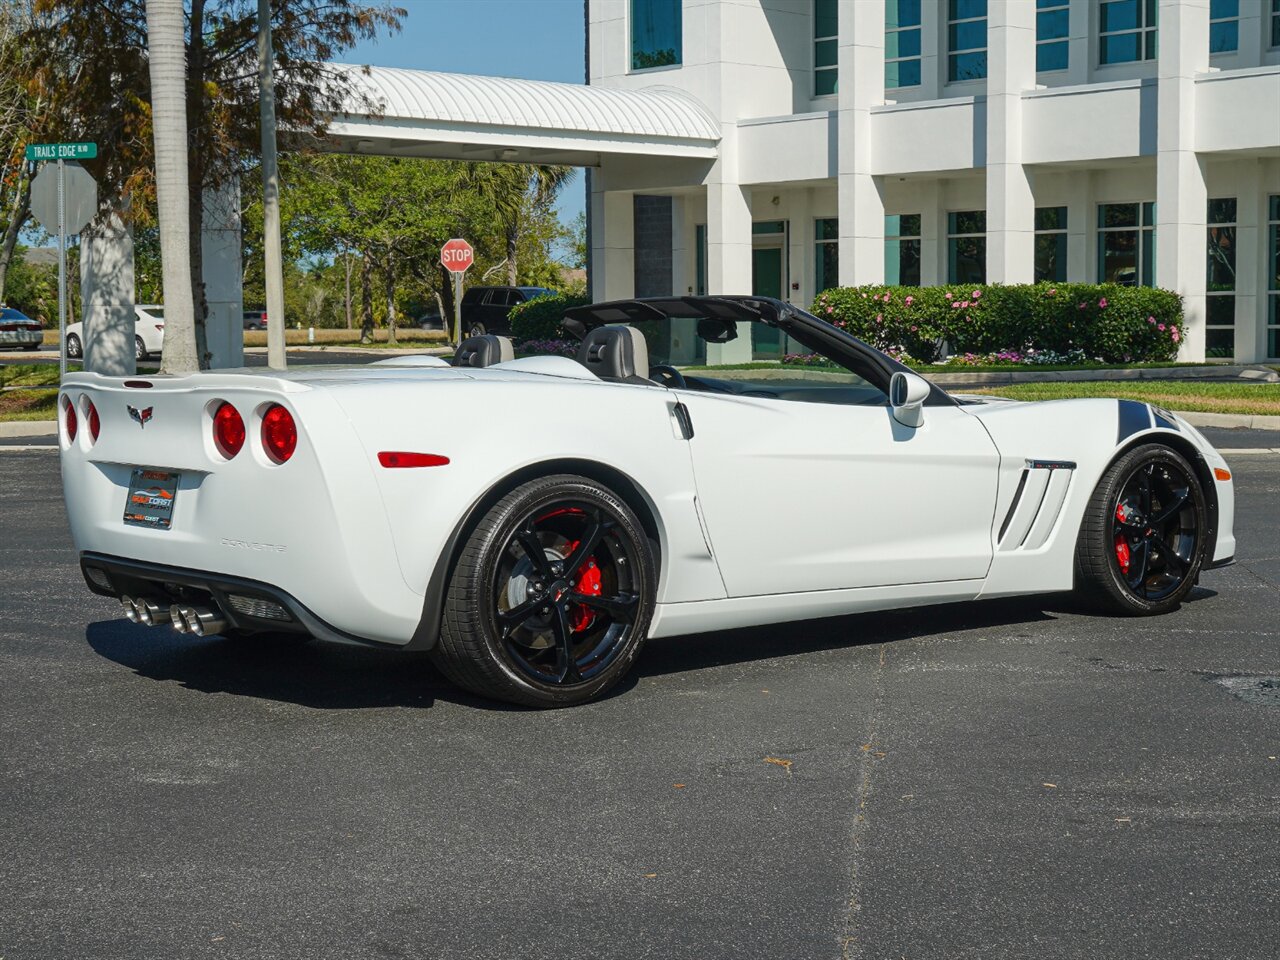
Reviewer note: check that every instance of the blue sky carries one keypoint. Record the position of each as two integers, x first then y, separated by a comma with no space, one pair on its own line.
532,39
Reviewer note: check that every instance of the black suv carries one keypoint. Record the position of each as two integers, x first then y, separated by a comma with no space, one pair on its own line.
485,309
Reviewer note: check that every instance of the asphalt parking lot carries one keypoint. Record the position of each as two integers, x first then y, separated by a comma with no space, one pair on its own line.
1004,779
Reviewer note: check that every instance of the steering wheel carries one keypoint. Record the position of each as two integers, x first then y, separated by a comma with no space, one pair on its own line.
667,376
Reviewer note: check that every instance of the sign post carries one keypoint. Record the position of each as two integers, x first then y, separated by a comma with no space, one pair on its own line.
456,256
64,202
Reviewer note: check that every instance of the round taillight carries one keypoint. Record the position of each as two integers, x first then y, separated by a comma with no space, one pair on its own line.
228,430
95,425
69,418
279,433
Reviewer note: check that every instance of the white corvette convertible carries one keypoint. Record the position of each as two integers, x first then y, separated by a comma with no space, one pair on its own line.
532,521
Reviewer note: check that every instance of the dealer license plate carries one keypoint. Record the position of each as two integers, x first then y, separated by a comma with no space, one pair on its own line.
152,494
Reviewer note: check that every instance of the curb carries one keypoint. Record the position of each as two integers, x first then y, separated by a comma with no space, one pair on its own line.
1231,420
1255,372
29,428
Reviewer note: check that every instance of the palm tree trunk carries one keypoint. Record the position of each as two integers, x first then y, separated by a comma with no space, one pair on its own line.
195,180
513,236
389,286
270,192
167,53
366,300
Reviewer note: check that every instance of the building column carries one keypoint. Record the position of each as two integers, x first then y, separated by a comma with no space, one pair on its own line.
1251,236
1181,194
1080,219
861,205
804,266
220,252
613,255
933,232
1011,206
729,258
106,295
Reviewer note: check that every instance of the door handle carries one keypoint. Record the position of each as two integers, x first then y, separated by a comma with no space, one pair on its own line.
685,421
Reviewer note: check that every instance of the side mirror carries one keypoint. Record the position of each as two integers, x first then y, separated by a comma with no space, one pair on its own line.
907,394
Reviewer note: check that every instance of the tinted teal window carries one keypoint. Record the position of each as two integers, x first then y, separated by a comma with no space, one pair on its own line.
902,249
1127,31
966,39
1126,244
902,44
826,27
655,33
827,251
1053,26
967,247
1224,26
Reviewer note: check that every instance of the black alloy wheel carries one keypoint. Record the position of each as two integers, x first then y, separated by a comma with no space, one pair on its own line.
551,599
139,348
1144,536
74,348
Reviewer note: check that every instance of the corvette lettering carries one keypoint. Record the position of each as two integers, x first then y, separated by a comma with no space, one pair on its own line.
252,545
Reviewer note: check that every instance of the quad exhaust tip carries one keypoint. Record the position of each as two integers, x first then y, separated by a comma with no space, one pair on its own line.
144,611
200,621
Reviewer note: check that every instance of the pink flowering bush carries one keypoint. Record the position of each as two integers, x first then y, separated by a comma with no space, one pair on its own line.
1102,322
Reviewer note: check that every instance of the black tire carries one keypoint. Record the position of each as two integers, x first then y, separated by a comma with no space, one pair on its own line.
31,346
75,350
476,330
139,349
557,629
1144,536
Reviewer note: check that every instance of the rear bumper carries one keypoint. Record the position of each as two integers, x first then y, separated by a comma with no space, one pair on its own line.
165,584
21,338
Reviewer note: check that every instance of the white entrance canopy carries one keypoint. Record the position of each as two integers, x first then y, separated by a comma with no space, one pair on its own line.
420,113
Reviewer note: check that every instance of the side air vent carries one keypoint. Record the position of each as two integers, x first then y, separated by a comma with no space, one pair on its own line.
1042,490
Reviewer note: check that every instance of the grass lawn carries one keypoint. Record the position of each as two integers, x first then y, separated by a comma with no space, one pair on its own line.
45,374
1197,396
28,405
407,337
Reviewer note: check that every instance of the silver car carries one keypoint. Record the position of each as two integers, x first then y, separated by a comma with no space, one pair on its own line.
19,330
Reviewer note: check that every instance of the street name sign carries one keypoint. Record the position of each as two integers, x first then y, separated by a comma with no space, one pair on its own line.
39,152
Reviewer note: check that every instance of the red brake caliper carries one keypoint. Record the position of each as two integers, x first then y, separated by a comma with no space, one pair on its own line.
1122,545
581,616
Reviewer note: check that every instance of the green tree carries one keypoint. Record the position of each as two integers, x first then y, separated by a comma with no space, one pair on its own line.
91,69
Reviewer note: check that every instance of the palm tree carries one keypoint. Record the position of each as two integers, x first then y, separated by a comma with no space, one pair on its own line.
166,48
509,187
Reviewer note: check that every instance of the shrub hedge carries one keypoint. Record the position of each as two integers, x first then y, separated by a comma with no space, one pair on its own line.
539,318
1107,322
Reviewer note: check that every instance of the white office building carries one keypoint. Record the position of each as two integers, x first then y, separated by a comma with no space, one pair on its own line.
951,141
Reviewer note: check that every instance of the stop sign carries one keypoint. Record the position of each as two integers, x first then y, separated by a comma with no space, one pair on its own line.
457,255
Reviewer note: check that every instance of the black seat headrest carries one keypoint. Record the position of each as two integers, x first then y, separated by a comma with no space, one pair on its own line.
616,352
483,351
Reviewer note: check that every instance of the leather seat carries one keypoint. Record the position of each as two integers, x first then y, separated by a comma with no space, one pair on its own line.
616,352
483,351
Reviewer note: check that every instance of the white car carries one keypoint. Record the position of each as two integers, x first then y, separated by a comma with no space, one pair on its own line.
583,506
148,333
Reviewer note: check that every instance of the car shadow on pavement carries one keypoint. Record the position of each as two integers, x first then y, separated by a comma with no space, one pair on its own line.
328,676
678,654
324,676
